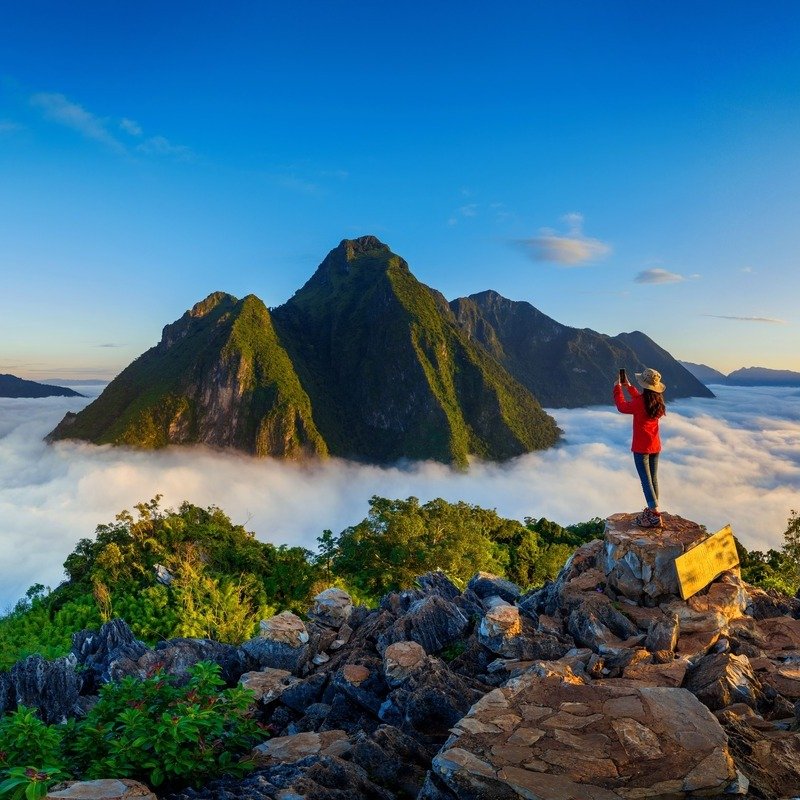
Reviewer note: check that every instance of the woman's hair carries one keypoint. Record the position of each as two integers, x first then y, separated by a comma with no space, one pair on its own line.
654,404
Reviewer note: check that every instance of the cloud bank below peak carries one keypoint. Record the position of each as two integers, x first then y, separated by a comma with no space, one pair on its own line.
734,459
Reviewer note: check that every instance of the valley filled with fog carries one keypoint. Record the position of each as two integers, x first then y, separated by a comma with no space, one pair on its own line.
733,459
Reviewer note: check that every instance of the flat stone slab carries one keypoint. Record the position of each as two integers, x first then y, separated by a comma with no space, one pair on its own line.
553,737
103,789
640,562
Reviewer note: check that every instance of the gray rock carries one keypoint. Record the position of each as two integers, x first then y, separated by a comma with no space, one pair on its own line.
589,631
662,634
305,692
484,585
7,698
332,607
438,583
51,687
108,654
432,622
175,656
315,777
721,679
277,655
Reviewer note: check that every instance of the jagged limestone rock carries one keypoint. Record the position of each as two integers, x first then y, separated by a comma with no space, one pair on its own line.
432,622
51,687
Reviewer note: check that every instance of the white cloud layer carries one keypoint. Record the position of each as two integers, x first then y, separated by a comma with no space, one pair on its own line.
568,250
734,459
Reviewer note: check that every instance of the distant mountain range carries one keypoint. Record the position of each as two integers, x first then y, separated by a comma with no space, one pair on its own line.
12,386
746,376
367,363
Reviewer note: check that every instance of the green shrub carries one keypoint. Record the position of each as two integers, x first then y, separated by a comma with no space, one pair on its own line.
150,730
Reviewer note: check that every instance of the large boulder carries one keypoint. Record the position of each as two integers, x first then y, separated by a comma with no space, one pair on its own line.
551,736
640,564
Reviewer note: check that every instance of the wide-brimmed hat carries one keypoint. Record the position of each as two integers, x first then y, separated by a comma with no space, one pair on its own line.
650,379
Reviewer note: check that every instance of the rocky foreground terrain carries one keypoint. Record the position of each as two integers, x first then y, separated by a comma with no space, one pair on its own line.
602,685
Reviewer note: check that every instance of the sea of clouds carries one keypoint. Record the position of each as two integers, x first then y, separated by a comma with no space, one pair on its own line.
733,459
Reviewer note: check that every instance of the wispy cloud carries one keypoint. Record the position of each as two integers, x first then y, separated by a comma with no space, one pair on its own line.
567,250
57,108
770,320
8,126
161,146
658,275
130,126
469,210
109,344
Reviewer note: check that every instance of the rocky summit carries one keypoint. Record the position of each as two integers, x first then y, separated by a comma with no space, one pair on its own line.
603,684
364,362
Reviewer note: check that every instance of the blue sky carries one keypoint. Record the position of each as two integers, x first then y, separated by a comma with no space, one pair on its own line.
620,165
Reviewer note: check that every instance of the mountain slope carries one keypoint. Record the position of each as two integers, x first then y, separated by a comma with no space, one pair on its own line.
12,386
219,376
563,366
763,376
704,373
391,374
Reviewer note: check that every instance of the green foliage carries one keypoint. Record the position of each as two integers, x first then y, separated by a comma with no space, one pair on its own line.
224,582
37,626
157,732
401,539
25,739
150,730
29,783
31,756
775,569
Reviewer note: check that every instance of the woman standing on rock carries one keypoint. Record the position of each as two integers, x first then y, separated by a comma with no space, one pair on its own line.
647,408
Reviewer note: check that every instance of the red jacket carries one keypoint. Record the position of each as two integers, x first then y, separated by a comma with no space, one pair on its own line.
645,429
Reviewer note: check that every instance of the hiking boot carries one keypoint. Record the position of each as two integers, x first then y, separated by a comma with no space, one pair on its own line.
649,519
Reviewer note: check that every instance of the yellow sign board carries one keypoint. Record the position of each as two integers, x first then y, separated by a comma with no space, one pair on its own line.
699,566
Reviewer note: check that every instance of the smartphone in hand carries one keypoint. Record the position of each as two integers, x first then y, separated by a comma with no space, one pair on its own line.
623,378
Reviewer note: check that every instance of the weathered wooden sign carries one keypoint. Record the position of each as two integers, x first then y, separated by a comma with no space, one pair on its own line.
699,566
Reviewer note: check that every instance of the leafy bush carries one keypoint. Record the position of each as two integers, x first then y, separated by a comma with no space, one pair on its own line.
150,730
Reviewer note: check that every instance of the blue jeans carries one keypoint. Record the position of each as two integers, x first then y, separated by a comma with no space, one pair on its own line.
647,467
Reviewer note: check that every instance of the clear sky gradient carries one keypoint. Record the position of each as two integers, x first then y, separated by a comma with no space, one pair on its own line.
620,165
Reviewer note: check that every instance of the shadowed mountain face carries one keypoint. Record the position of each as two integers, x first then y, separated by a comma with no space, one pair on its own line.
564,367
365,362
12,386
389,373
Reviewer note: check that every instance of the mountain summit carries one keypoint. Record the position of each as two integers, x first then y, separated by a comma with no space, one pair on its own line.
367,363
